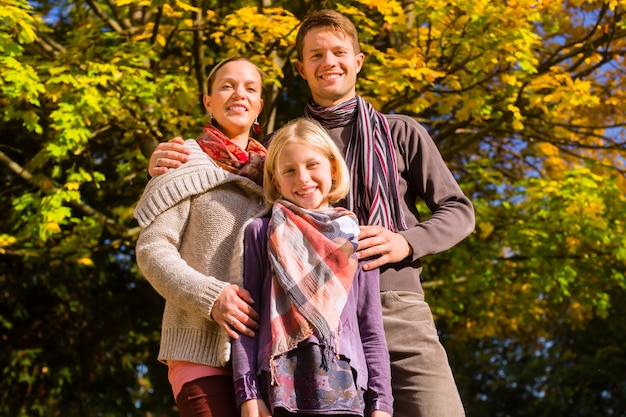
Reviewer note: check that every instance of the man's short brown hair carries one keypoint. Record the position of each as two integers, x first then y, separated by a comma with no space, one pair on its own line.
330,19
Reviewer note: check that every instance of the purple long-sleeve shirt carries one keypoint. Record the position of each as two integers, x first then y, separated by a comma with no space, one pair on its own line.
361,340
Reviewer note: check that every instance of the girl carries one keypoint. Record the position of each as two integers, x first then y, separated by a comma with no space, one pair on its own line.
191,242
320,348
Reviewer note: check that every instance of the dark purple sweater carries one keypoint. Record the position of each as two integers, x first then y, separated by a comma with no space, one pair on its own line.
361,340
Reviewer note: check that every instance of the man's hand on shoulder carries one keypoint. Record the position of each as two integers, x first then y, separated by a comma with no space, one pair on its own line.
168,155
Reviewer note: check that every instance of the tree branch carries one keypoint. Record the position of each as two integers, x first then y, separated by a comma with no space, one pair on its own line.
442,282
198,50
79,205
113,24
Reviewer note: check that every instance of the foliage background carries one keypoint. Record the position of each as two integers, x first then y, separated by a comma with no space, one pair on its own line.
524,99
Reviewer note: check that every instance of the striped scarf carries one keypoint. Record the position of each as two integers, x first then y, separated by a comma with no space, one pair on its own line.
313,262
371,159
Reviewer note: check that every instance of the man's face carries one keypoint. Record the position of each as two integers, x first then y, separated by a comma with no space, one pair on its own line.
329,65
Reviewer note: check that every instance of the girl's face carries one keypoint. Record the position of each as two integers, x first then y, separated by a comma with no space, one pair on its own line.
304,176
235,99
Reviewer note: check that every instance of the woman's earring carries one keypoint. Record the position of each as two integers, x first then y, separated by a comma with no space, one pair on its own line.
256,127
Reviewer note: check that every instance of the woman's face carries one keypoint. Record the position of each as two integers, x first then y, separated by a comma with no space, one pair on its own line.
235,100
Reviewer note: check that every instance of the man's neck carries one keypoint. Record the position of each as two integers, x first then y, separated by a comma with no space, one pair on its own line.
328,103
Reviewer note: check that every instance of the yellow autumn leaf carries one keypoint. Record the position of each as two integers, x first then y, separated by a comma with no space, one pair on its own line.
85,261
485,229
53,227
6,240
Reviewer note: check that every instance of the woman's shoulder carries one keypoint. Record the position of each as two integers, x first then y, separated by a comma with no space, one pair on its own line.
197,176
198,163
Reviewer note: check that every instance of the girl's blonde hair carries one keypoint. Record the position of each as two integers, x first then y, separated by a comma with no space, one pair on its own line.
312,134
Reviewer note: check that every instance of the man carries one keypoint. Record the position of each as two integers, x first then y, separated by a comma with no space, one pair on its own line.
393,161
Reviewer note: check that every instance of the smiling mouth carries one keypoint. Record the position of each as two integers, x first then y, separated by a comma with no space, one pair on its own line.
329,77
307,192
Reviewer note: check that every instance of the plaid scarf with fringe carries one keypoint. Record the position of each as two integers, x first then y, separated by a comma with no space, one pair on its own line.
371,159
313,262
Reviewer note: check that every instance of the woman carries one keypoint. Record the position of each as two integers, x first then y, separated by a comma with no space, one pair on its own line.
191,242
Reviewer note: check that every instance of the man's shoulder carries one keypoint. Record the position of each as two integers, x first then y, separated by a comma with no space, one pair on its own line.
402,121
406,129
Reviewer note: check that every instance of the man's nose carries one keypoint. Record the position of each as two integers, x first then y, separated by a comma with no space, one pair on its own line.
328,59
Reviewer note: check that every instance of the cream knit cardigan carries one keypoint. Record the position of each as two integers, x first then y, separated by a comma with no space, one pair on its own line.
191,247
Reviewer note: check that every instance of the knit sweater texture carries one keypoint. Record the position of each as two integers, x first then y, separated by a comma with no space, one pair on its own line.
190,248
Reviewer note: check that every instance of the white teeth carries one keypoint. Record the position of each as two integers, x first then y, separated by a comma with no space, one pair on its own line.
237,108
330,76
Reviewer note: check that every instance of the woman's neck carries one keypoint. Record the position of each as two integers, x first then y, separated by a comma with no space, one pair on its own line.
241,140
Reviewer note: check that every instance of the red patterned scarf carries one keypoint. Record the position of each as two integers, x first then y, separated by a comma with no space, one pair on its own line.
229,156
371,158
313,261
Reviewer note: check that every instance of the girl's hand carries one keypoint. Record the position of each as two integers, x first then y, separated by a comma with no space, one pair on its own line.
380,413
233,312
254,408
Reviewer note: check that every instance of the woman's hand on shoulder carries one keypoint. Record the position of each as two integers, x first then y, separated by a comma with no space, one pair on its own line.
168,155
233,311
